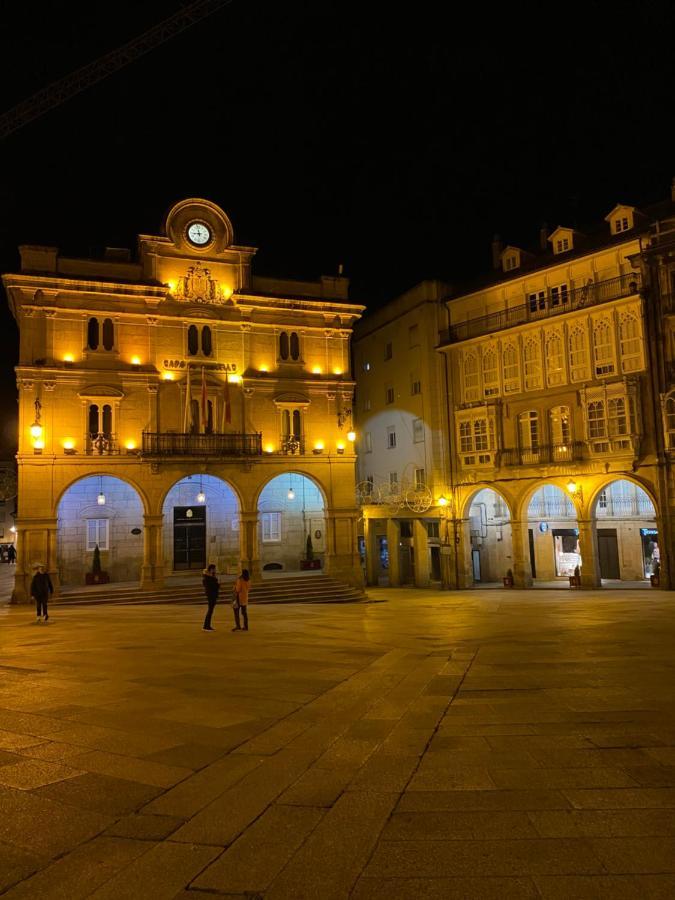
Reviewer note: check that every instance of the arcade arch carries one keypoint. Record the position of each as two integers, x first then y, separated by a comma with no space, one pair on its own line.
291,508
627,537
487,537
99,510
553,535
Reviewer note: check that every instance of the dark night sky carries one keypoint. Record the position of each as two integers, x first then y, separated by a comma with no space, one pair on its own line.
396,141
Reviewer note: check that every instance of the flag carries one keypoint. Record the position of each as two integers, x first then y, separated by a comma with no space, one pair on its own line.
228,407
204,409
187,418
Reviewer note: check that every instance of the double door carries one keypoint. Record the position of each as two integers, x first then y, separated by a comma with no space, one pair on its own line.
189,537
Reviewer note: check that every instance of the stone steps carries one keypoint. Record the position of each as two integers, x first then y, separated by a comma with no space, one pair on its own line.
314,589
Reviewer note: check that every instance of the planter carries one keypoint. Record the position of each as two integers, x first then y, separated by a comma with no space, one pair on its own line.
99,578
306,564
575,581
655,580
508,581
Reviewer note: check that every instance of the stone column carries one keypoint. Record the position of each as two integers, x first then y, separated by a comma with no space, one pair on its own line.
522,570
372,555
462,549
421,546
393,544
51,561
249,547
588,547
342,555
35,542
152,570
664,569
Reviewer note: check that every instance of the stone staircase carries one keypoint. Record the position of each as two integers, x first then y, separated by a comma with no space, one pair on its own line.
300,589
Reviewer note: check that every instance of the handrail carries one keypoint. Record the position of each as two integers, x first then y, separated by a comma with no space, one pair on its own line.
188,444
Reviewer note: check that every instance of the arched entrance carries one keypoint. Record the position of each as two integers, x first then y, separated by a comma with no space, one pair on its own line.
201,525
99,511
291,510
553,536
627,536
487,538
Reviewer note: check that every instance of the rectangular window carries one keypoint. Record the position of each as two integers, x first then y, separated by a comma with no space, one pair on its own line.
418,431
415,384
97,533
562,245
391,437
271,527
389,394
597,427
621,224
510,263
419,479
510,369
414,336
537,301
616,416
368,442
559,295
433,529
388,350
603,347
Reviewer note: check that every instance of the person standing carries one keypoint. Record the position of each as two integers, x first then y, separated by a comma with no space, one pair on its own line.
40,589
241,589
211,589
11,555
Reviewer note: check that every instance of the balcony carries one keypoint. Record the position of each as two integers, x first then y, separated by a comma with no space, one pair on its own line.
291,445
103,443
181,444
578,298
553,453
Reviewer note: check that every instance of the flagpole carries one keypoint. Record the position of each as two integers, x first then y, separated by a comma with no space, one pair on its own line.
186,417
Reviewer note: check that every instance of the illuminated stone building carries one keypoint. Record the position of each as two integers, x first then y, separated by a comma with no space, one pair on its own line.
557,411
402,425
177,410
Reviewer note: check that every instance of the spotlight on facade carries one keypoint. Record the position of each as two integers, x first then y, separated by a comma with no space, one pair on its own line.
168,376
269,448
318,447
130,445
264,368
340,448
69,446
316,370
351,436
135,360
68,359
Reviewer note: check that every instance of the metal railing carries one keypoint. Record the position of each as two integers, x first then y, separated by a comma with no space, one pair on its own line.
182,444
100,444
292,445
545,453
551,305
625,507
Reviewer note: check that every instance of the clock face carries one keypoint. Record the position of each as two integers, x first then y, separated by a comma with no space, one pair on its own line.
198,234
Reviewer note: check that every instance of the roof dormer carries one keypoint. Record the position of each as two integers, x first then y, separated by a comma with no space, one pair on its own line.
511,258
621,218
561,240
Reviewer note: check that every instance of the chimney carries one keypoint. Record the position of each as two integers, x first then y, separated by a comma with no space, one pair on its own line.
497,247
543,236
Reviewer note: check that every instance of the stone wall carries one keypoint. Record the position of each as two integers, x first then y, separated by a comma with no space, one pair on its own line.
299,517
123,510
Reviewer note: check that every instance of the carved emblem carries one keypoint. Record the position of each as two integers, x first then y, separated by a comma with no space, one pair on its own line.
198,286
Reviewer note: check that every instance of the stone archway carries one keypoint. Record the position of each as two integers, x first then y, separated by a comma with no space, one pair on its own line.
201,525
99,510
291,508
625,519
553,536
487,539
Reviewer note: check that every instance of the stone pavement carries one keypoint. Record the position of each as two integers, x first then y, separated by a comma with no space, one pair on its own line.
481,744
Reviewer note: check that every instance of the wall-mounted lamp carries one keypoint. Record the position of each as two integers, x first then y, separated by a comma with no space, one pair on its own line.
318,447
351,436
442,501
574,489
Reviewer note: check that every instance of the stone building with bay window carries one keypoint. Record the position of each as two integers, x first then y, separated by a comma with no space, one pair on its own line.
176,409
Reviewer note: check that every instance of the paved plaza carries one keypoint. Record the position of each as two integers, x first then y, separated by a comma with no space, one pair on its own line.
484,744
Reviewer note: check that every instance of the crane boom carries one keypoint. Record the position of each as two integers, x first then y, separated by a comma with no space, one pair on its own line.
59,91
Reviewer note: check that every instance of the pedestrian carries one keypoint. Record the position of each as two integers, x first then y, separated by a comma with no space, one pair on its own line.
241,589
11,555
40,588
211,589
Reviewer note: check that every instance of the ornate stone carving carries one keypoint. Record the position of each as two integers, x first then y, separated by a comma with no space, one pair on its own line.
49,385
198,286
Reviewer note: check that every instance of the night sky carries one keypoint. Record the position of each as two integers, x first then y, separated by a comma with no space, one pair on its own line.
394,140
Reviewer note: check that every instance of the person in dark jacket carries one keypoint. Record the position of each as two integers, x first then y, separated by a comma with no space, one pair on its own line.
211,589
11,555
40,588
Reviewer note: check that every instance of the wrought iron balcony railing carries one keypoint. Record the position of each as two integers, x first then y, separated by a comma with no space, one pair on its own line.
543,307
182,444
553,453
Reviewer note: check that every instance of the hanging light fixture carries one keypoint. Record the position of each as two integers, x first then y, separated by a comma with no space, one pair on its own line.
291,492
101,496
201,496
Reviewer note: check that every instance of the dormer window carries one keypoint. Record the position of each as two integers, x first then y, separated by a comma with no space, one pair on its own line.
511,262
621,219
562,240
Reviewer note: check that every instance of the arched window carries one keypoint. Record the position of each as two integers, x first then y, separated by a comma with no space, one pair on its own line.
193,340
106,420
297,424
670,422
207,342
603,347
597,427
561,433
630,337
93,419
555,367
286,423
295,346
490,372
100,420
92,334
578,353
532,359
470,377
283,345
108,331
510,369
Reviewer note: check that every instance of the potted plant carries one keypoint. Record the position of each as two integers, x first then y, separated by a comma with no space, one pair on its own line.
97,575
309,562
508,578
655,576
575,580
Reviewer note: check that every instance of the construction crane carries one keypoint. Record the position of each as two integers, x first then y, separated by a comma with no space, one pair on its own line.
91,73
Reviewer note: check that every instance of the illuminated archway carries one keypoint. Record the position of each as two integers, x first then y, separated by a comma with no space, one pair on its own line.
487,538
553,535
627,535
103,511
291,510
